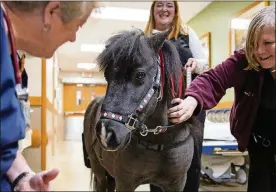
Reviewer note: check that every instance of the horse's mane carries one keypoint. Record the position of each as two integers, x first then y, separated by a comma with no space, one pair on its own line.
173,66
126,48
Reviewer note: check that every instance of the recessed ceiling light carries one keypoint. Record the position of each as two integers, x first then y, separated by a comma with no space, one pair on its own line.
86,66
120,13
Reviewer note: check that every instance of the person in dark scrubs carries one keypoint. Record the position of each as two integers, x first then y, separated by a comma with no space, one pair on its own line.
37,28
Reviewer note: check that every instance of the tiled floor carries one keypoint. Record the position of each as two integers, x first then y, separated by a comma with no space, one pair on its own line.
74,176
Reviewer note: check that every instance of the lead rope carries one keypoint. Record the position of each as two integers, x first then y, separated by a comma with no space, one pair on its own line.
188,77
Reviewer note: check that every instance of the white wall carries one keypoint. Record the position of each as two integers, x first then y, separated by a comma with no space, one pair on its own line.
73,128
33,67
79,74
58,87
49,78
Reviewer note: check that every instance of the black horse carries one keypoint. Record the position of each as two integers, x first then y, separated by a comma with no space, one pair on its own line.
127,134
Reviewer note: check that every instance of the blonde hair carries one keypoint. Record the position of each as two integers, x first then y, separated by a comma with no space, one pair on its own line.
177,26
70,10
264,18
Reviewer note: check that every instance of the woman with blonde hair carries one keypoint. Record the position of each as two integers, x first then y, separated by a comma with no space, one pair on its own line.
163,16
252,73
166,14
37,28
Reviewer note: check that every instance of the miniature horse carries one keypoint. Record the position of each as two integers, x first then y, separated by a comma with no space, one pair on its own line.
127,135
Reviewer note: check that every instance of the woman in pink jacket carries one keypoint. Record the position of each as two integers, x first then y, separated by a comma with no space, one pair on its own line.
251,71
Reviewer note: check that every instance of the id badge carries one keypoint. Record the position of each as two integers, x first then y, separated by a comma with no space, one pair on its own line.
22,94
26,108
23,97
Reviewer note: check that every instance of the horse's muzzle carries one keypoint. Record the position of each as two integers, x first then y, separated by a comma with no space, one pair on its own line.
111,134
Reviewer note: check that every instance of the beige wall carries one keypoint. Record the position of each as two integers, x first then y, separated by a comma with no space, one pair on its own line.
50,133
33,155
33,67
43,83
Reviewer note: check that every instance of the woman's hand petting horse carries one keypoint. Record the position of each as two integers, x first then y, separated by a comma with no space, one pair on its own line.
183,110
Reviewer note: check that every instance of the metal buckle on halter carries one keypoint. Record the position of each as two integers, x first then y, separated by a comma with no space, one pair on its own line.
144,132
130,124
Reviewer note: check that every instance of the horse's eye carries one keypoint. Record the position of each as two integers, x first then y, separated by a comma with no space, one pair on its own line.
140,75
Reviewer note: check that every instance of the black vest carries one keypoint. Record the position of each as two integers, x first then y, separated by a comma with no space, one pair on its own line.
182,46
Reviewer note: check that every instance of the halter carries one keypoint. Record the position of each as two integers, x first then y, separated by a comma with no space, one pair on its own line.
131,121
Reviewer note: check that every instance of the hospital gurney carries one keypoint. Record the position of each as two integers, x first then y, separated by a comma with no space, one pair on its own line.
221,161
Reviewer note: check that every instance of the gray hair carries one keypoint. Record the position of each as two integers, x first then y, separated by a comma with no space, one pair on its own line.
69,9
264,18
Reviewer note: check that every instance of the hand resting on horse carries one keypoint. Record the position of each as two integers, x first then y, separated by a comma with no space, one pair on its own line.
183,110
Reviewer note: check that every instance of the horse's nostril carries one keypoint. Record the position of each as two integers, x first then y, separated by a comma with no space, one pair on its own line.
109,135
111,139
103,131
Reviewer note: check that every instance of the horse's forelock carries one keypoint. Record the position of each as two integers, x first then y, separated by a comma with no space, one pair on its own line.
124,46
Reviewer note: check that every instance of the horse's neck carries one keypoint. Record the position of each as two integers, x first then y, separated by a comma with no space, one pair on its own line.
160,115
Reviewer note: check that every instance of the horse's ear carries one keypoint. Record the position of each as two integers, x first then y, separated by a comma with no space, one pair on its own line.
157,40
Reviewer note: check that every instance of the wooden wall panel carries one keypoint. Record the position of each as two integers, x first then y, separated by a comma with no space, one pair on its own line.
69,96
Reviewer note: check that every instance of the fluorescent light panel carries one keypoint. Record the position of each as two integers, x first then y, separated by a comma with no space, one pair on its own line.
96,48
86,66
119,13
240,23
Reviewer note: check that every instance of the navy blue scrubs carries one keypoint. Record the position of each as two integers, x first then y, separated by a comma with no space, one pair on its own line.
11,115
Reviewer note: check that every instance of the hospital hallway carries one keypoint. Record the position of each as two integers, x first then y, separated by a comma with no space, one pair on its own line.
74,176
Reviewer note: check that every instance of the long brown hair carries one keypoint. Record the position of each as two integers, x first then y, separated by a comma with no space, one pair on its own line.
177,26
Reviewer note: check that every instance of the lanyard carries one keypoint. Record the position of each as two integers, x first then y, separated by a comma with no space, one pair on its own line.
15,61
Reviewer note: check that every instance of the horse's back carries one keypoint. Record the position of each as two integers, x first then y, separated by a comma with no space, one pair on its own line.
91,117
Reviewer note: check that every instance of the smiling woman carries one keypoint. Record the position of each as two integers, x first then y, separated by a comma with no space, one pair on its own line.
261,43
41,27
249,72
